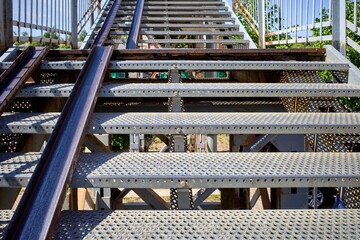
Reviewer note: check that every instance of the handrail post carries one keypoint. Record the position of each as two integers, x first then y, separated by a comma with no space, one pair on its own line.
339,25
261,13
74,24
6,19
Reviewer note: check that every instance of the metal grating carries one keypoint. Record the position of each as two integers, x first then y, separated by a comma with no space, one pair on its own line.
291,224
195,65
202,90
191,123
179,170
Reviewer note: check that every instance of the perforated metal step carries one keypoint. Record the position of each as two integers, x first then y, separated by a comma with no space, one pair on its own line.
197,65
196,170
194,41
202,90
284,224
182,33
192,123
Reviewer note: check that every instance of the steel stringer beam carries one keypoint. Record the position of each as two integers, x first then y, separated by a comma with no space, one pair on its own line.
39,208
13,78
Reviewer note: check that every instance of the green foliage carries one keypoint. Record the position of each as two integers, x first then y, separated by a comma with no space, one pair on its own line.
350,103
82,35
120,142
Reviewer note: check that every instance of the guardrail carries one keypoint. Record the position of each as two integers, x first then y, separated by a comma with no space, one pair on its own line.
278,22
46,21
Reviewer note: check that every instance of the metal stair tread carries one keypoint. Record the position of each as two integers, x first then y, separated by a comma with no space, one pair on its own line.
271,224
202,90
196,170
148,32
220,41
197,65
192,123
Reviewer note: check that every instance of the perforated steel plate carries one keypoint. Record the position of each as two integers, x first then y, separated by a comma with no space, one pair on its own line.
291,224
276,224
146,32
196,170
5,217
195,65
202,90
192,123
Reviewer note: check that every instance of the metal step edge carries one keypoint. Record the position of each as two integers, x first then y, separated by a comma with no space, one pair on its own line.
175,8
219,224
192,123
180,13
177,19
146,32
173,25
196,170
202,90
200,41
197,65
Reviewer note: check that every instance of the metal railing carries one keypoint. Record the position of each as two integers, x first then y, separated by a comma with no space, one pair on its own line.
52,21
278,22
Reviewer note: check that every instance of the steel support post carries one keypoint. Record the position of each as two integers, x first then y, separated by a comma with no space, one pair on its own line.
212,143
74,24
261,13
339,25
6,30
102,198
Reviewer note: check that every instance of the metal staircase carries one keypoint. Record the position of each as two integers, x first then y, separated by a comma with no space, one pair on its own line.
266,93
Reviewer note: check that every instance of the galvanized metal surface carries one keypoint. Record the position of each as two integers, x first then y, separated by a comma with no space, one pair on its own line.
296,224
202,90
319,224
179,33
196,65
192,123
196,170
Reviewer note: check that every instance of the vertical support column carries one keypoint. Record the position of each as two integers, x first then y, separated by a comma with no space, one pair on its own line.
74,23
261,12
6,30
339,25
92,13
212,143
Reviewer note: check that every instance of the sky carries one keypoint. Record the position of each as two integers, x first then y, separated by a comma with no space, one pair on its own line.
58,19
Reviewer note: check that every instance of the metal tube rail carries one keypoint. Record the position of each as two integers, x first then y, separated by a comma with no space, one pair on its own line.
105,30
38,211
20,70
135,26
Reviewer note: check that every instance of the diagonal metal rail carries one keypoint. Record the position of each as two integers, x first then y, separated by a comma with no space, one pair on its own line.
135,26
105,30
20,70
39,209
36,215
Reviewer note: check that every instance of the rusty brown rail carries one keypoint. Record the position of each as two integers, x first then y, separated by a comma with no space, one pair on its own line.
16,75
